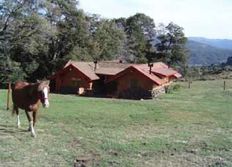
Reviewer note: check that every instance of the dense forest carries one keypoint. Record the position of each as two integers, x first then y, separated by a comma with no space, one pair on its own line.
37,37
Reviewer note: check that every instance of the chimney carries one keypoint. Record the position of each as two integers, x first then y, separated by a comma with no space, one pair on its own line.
95,65
150,65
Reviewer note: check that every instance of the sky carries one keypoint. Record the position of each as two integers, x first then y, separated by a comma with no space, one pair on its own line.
199,18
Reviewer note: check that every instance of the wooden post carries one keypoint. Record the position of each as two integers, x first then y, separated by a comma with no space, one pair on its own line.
189,84
224,85
8,96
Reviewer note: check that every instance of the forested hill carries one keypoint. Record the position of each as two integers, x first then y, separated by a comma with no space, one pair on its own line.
219,43
205,54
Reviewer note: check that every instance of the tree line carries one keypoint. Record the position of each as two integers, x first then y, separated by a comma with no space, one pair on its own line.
38,36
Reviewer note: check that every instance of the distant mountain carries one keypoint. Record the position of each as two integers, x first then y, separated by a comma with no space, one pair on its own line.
219,43
205,54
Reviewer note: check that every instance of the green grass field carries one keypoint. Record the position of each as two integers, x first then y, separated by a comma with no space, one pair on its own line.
189,127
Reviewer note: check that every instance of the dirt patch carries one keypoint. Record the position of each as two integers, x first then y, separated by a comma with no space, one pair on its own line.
75,143
171,159
113,153
88,160
219,162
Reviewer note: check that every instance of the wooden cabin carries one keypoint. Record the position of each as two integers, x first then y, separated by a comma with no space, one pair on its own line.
74,78
113,79
139,81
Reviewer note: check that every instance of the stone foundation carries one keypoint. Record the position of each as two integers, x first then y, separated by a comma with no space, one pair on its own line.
158,91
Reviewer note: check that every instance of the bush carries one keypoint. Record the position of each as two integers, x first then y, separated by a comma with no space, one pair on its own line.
176,87
172,88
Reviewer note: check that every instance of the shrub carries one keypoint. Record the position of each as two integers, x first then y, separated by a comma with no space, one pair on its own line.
176,87
172,88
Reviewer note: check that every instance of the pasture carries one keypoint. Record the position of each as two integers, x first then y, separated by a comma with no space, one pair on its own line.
188,127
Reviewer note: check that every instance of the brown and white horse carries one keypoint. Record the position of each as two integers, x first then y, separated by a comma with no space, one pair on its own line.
27,96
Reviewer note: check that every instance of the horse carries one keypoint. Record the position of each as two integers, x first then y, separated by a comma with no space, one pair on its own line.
27,96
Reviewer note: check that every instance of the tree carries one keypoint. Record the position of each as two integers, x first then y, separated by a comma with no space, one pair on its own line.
49,30
68,29
140,31
9,11
171,45
40,36
29,45
107,40
104,40
146,44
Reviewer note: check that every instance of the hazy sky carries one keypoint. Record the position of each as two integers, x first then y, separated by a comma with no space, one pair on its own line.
206,18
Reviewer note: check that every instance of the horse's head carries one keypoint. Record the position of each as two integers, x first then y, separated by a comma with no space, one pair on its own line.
43,89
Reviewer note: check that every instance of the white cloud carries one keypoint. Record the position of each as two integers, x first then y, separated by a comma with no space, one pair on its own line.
208,18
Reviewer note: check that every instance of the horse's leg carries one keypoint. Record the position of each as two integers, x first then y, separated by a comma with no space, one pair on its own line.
30,113
29,120
16,110
34,117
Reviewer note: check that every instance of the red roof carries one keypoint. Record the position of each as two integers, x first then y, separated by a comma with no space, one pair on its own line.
104,68
164,71
108,71
146,73
84,67
160,69
157,65
151,76
178,75
116,69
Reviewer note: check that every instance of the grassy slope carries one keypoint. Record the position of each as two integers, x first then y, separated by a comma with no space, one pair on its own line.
191,127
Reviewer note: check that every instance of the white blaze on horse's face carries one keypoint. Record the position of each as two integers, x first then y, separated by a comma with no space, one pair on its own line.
45,93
